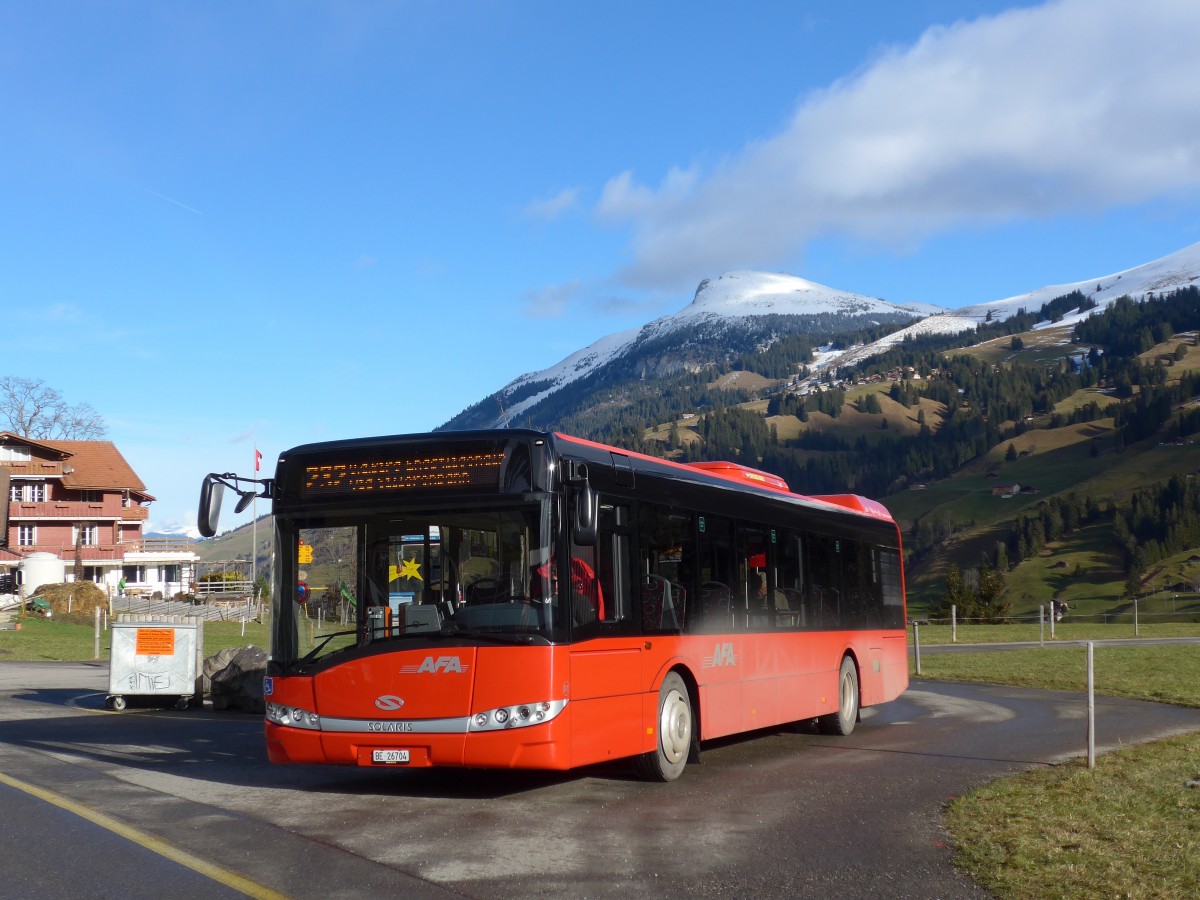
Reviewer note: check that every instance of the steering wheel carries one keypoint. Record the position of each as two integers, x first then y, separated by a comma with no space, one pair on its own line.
484,590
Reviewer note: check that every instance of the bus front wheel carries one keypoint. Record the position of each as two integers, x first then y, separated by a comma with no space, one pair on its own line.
843,721
673,743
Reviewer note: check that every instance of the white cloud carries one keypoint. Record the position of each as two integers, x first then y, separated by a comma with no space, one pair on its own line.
553,207
1072,106
550,301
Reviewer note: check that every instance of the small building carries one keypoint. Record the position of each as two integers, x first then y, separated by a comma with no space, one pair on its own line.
1001,490
80,502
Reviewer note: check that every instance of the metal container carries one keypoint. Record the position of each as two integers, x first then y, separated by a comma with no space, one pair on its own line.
152,659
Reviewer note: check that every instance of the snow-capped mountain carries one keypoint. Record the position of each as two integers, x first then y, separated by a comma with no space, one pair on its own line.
741,294
735,312
742,311
1173,272
167,529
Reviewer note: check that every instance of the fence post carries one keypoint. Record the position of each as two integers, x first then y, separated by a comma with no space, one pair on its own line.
1091,708
1053,616
97,656
1135,617
954,623
1042,624
917,644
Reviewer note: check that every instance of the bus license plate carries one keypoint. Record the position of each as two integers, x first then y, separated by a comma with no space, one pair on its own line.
389,756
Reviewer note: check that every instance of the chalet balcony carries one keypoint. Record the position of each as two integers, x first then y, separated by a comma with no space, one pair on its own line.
76,511
93,553
88,553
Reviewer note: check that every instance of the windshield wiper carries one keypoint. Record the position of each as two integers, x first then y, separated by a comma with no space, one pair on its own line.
312,654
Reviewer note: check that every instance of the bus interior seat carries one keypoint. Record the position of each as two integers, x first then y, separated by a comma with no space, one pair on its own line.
662,603
716,604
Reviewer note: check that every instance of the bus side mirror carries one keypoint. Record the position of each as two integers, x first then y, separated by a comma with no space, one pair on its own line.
587,515
211,492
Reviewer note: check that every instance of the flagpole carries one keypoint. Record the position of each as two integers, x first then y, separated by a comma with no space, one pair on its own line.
254,532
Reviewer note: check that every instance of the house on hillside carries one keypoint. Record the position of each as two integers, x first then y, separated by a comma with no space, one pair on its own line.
1005,490
79,504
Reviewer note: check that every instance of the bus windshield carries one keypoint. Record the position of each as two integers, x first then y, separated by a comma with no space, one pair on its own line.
485,575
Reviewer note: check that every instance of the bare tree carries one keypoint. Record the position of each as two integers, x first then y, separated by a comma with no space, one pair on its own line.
33,409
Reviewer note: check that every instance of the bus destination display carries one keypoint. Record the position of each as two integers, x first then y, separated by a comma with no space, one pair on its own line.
479,469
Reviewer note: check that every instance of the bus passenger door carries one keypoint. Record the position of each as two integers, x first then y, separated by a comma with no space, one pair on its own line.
606,651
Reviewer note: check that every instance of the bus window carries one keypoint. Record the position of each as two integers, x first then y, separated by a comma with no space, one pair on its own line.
614,569
586,593
717,575
862,600
789,560
825,587
327,585
755,601
599,586
891,590
664,554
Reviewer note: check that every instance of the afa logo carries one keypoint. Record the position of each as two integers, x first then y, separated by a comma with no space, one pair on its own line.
443,664
722,655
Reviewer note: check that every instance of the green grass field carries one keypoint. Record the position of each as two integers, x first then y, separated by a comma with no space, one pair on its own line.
1063,631
71,638
1165,673
1124,829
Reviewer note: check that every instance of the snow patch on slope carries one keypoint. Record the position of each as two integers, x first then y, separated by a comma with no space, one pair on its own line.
1173,272
578,365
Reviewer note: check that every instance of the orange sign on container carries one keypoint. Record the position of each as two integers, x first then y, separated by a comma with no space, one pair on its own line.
155,642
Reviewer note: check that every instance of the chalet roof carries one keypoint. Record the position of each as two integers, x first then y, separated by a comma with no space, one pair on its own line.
98,464
8,437
86,465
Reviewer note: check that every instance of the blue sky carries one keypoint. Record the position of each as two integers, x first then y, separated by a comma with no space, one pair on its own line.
228,224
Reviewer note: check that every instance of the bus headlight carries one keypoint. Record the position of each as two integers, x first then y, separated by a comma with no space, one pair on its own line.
293,716
520,716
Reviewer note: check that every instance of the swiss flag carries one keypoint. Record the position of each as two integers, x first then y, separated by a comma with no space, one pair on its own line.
257,459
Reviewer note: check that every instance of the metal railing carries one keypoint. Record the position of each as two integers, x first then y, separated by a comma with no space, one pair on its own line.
223,611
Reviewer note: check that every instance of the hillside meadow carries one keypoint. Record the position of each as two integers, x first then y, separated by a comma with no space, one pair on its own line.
1123,829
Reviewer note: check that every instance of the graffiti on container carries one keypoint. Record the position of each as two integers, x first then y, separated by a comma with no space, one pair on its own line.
148,682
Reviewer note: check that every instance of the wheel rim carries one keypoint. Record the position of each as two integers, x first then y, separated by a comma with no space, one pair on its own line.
849,697
675,727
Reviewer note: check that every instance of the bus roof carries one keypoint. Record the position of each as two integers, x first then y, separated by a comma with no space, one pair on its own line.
749,478
736,472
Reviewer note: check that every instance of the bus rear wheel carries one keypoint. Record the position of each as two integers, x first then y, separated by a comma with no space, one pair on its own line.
675,725
843,721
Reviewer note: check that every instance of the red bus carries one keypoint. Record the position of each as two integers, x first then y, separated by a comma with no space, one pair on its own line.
532,600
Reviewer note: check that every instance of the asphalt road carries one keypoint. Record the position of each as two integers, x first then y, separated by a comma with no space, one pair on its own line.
140,802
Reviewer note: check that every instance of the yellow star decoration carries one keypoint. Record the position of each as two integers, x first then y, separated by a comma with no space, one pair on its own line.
410,568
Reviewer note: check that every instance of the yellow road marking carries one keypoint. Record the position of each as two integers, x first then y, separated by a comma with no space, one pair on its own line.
151,843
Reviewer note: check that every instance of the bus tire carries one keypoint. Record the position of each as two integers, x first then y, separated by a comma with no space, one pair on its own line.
674,726
843,721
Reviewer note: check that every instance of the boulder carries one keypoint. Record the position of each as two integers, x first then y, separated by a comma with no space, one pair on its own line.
235,678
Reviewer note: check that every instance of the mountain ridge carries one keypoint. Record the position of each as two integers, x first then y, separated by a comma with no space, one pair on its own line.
742,311
739,311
